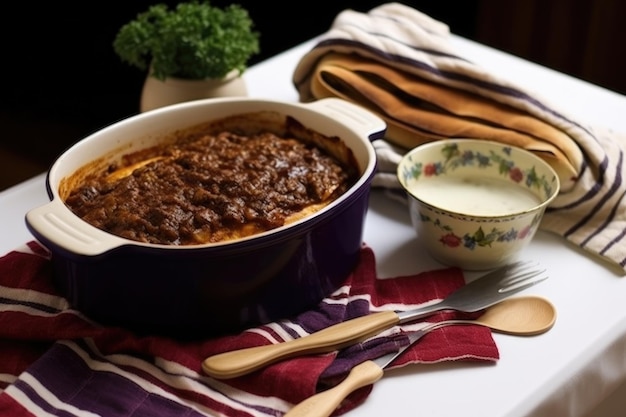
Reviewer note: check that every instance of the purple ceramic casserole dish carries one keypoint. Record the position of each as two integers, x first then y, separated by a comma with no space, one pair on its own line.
208,289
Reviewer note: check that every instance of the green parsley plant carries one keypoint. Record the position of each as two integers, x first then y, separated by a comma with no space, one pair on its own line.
193,41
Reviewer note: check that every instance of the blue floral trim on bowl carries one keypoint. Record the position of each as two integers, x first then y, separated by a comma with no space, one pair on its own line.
454,158
480,238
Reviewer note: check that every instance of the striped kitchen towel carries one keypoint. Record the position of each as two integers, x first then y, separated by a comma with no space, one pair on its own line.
56,361
400,63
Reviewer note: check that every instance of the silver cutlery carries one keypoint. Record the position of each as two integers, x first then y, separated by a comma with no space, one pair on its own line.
479,294
523,316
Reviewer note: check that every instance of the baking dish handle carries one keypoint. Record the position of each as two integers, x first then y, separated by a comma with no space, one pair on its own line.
55,225
353,115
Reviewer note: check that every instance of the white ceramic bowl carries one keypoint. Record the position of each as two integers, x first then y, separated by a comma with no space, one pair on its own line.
476,204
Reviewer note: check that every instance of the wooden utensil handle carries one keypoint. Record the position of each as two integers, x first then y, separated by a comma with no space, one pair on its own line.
324,403
243,361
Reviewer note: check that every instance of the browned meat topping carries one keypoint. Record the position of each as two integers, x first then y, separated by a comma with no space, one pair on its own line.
212,188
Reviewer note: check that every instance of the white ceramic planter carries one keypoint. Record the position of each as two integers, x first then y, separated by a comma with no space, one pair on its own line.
157,93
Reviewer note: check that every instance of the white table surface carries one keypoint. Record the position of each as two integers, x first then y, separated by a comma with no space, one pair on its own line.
565,372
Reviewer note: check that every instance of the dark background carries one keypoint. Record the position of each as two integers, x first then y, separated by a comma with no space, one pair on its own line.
62,81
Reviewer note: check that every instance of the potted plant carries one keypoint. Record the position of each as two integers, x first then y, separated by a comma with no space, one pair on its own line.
193,51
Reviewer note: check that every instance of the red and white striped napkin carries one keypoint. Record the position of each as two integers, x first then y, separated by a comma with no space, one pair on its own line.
56,361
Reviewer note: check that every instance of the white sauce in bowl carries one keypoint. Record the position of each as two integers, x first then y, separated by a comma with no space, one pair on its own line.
475,196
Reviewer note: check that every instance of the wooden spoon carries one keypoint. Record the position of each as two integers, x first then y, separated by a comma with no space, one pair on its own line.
524,316
528,315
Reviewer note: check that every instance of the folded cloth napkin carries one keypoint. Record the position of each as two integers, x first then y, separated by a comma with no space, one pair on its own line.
399,63
54,360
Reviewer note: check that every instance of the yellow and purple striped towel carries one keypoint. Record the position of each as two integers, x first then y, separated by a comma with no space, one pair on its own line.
400,63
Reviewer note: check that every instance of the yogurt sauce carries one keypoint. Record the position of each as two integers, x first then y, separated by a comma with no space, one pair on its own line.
475,196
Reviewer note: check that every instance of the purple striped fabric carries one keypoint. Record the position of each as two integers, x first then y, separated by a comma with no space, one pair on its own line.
591,214
55,361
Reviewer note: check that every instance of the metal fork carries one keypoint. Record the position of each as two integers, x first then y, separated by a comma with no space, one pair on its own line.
479,294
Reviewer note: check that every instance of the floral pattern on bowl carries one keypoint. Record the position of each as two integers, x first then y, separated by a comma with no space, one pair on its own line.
479,238
475,204
453,158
